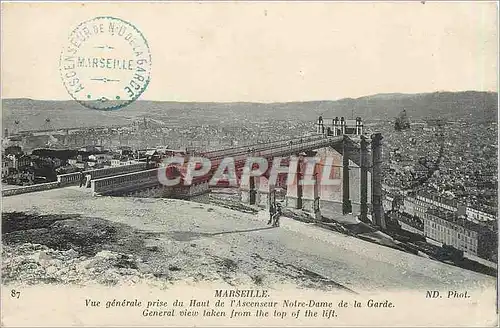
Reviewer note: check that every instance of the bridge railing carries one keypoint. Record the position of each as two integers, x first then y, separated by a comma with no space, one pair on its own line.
283,150
98,173
258,146
253,152
74,178
124,180
68,178
296,148
265,146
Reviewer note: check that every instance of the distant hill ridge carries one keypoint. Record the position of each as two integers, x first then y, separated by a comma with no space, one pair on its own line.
467,105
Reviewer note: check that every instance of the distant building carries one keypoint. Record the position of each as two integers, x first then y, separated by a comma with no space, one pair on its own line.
61,154
151,153
411,207
450,229
387,202
450,223
13,150
121,160
409,223
91,149
81,165
477,215
115,162
5,170
426,199
125,150
100,158
17,162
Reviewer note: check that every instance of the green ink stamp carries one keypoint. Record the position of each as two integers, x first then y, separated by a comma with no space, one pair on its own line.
106,63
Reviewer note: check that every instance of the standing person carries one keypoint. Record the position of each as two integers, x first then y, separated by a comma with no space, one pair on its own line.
272,210
82,178
277,215
87,183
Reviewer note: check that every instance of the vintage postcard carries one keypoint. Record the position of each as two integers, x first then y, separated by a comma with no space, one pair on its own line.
303,164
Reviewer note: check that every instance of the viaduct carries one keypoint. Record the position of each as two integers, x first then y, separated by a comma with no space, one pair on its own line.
351,160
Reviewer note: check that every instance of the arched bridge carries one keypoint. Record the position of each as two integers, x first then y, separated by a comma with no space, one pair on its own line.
345,171
345,160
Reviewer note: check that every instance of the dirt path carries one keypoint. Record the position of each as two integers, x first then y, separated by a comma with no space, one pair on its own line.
169,240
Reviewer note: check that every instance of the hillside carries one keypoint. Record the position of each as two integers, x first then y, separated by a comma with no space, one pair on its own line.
469,105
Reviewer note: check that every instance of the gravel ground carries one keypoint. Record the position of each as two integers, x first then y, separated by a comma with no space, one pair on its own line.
111,240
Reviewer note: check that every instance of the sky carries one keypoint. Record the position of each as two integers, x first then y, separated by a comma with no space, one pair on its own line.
268,51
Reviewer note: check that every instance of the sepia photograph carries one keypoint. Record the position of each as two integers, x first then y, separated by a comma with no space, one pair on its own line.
249,163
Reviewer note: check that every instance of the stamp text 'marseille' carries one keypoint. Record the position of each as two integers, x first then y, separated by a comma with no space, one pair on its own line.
109,63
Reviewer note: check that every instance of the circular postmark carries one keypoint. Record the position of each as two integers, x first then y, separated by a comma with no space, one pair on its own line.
106,63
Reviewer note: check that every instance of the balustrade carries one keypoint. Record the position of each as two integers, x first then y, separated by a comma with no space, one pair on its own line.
73,178
125,180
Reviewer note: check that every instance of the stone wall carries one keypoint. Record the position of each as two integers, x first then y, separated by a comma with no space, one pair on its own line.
32,188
